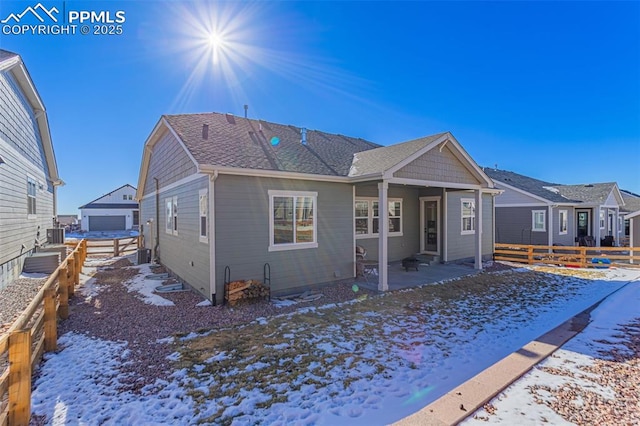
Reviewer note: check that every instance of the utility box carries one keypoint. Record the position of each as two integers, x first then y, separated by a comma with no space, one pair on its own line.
55,236
144,256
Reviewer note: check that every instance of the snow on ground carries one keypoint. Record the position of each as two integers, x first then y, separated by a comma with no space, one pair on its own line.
340,365
145,287
100,234
517,404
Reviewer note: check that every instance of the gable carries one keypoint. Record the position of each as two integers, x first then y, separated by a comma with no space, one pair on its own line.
611,200
512,197
439,165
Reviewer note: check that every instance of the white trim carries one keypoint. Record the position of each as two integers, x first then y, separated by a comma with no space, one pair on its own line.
602,220
176,184
423,243
419,182
212,239
353,220
566,218
203,238
550,233
370,218
522,191
533,221
383,243
462,216
445,227
522,205
292,246
478,235
206,168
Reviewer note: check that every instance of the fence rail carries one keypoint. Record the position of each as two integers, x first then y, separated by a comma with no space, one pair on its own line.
111,247
583,257
33,333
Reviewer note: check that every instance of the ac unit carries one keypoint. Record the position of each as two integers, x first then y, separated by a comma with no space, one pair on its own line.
55,236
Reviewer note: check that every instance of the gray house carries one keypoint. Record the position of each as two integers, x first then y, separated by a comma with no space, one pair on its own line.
630,217
28,170
219,191
531,211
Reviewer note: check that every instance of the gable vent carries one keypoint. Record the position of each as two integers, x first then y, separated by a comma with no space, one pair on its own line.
205,131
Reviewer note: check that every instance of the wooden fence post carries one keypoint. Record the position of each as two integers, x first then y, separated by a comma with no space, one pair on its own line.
50,321
71,268
77,267
20,377
530,255
63,285
583,257
116,247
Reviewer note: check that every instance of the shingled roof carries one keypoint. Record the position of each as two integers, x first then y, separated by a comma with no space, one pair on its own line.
231,141
383,158
591,193
631,201
527,184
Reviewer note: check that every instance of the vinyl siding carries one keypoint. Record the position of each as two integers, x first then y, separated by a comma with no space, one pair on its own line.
511,197
183,254
403,246
569,238
242,234
461,247
169,163
513,225
24,156
438,165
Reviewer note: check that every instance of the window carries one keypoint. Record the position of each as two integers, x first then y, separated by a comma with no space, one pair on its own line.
292,220
124,197
136,218
130,197
171,224
563,214
468,216
367,216
619,224
31,196
539,221
601,219
204,208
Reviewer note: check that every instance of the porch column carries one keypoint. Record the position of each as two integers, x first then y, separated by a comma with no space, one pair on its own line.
596,228
478,234
383,232
550,228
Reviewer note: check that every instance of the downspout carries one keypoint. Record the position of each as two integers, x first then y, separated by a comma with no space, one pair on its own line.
157,242
212,237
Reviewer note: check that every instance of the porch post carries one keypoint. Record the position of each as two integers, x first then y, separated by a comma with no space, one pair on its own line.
550,228
478,234
383,231
596,222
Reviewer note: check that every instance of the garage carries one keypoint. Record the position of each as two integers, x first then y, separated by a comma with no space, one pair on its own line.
107,223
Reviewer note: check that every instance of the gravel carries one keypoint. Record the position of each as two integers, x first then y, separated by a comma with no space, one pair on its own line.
117,315
16,297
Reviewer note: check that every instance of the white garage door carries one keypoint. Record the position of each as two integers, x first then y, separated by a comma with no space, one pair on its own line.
107,223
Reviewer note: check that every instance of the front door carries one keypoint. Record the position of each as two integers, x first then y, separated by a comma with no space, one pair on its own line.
583,224
430,220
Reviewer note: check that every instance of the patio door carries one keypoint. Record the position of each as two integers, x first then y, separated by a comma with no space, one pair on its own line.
430,221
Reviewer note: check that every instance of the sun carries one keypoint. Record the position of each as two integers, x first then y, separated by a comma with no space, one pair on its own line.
216,43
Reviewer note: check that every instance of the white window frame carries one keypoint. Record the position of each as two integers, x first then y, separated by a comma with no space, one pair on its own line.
471,231
32,183
124,196
292,246
534,213
203,201
171,211
602,219
563,218
370,217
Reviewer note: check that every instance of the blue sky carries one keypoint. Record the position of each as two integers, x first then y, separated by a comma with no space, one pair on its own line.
550,90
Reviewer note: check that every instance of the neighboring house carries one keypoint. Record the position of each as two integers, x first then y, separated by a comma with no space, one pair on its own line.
28,169
115,211
531,211
68,221
630,217
220,191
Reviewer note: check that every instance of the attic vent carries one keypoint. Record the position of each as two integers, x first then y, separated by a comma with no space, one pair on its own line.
303,136
230,118
588,185
205,131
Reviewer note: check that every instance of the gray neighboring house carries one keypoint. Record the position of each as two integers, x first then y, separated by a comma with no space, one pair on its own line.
630,217
219,191
531,211
28,169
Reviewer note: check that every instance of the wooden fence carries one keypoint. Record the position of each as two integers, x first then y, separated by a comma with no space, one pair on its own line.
33,333
582,257
112,247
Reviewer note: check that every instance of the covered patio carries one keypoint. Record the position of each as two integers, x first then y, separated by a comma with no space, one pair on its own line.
398,278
